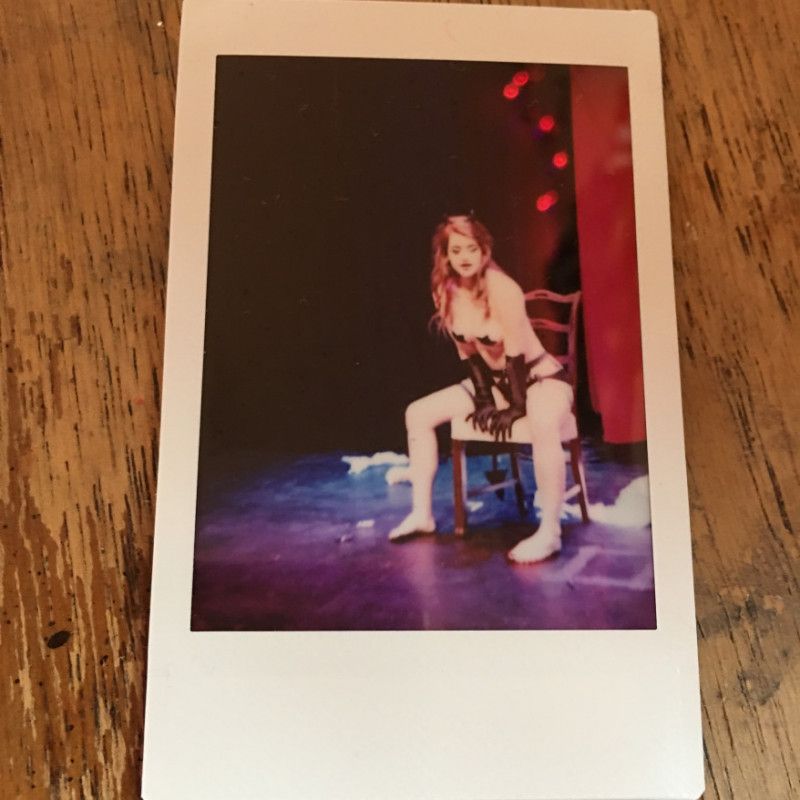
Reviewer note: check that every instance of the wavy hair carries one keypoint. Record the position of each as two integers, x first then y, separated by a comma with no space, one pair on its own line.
444,278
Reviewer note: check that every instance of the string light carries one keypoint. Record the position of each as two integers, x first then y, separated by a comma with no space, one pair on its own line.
544,202
560,160
510,91
546,123
520,78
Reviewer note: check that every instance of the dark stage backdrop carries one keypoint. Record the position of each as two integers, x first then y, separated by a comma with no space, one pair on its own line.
329,177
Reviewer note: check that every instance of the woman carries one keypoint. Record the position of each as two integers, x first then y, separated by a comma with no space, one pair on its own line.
482,309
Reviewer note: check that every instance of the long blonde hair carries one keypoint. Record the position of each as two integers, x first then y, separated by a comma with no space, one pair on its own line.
444,278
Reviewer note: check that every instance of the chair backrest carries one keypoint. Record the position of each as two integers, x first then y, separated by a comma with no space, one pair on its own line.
559,322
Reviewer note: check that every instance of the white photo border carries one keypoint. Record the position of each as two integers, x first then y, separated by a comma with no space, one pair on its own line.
561,715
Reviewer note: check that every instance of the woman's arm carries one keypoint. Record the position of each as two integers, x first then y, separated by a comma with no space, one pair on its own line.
507,306
481,376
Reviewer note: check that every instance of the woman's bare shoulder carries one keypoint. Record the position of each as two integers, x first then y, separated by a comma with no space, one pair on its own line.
501,285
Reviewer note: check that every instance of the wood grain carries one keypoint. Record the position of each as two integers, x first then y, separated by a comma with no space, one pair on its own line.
87,92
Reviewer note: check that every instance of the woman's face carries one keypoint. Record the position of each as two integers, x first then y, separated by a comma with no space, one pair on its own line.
465,255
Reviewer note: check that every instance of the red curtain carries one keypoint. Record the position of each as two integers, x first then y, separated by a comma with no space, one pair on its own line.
607,246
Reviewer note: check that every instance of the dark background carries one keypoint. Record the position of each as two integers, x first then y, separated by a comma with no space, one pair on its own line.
328,179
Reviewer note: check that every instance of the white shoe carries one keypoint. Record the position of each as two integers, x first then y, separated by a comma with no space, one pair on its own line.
543,544
411,525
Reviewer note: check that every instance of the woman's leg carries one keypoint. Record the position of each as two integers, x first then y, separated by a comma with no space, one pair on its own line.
548,404
423,416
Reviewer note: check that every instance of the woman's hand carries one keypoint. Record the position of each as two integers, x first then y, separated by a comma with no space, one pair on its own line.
501,422
482,416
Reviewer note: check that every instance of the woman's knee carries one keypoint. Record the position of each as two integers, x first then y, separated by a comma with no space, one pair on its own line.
547,408
437,408
544,426
417,414
545,418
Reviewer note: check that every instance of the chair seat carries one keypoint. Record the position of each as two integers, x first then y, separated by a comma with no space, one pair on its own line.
463,431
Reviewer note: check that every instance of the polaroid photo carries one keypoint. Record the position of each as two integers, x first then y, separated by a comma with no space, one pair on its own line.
422,526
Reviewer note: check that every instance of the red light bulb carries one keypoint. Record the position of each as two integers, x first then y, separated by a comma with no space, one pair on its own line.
520,78
544,202
560,160
510,91
546,123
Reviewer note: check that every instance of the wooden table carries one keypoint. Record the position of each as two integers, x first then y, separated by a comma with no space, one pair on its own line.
88,101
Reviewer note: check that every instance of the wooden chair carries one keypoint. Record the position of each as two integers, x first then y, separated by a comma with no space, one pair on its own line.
559,326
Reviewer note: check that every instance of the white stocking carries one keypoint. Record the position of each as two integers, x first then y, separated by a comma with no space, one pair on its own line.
548,403
422,418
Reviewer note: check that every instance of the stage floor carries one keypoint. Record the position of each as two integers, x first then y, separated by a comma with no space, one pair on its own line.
301,544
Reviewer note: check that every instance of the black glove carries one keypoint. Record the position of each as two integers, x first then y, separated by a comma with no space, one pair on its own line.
516,377
481,376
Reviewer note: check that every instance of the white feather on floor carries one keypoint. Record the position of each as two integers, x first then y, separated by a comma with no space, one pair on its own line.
358,464
630,510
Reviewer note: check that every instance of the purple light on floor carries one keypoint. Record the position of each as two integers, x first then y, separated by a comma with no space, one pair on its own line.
286,546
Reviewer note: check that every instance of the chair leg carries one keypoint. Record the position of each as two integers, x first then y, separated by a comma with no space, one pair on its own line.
459,488
579,476
519,491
